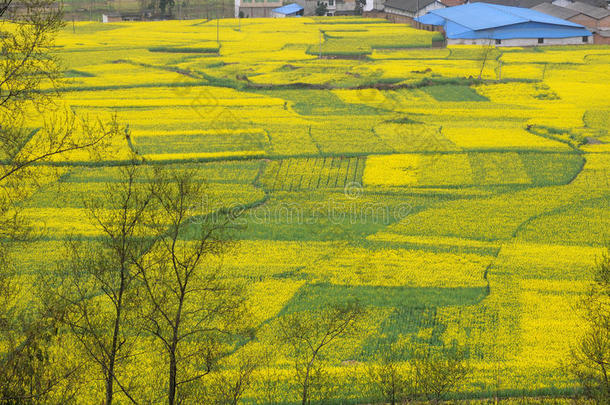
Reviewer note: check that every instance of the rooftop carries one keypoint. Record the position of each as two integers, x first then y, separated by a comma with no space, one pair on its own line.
288,9
595,12
408,5
556,11
492,21
512,3
479,16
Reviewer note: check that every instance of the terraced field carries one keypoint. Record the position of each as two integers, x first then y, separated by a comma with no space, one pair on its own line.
459,200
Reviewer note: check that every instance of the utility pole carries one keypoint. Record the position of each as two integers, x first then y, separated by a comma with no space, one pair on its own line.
320,46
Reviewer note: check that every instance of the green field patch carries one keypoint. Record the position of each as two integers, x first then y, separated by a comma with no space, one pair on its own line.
551,168
597,119
488,219
583,223
326,216
225,141
341,47
77,73
402,136
498,168
320,103
449,92
412,310
320,296
546,261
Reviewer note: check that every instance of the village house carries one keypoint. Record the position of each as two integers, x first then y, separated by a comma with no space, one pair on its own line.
596,19
256,8
111,17
334,7
483,23
404,11
512,3
594,3
590,16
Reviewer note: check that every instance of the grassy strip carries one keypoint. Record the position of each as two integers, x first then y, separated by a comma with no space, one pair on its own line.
114,163
561,135
72,73
185,49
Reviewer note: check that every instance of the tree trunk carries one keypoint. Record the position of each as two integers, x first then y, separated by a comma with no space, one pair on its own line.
112,357
115,342
305,389
306,382
171,396
109,386
173,363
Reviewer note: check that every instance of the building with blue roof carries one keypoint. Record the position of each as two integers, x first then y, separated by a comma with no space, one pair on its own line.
289,10
484,23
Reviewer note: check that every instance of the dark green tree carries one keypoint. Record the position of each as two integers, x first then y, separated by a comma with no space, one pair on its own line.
321,9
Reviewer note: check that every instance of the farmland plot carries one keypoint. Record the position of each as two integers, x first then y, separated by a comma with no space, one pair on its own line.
455,209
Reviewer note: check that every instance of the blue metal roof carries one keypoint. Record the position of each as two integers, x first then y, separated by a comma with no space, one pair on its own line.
288,9
431,19
483,20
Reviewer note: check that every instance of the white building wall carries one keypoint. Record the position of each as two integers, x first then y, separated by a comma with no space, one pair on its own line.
520,41
397,12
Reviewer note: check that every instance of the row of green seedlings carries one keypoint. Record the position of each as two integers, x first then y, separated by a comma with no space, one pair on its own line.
313,173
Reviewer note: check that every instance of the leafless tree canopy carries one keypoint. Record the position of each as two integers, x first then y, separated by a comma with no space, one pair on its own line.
307,335
590,360
188,298
34,129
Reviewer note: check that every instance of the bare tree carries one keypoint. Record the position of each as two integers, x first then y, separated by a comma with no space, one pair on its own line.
269,384
228,386
191,307
27,33
590,358
33,129
99,288
390,378
32,132
29,372
308,334
485,55
439,371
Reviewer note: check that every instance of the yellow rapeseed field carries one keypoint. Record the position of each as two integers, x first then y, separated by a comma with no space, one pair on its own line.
455,208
